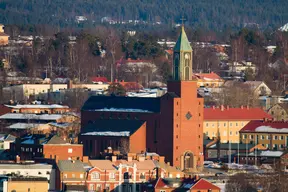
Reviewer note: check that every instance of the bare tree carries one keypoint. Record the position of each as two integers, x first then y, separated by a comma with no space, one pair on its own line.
124,145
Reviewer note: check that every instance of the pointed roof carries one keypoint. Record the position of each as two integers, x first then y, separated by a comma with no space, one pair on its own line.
56,140
202,184
183,43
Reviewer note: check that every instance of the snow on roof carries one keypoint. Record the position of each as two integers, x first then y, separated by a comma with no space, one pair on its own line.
28,141
52,117
124,110
24,125
271,129
109,133
53,106
271,153
284,28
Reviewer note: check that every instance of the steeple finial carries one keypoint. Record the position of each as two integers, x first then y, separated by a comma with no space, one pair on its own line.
182,20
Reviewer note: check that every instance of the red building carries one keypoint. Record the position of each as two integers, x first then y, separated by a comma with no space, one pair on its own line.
174,121
35,146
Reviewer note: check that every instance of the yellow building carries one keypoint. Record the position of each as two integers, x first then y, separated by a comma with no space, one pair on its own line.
271,134
4,38
27,184
209,80
226,123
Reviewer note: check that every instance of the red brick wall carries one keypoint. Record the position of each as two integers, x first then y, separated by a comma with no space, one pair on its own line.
137,141
61,151
4,110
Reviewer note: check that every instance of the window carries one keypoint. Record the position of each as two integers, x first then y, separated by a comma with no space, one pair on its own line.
65,175
107,187
212,124
142,176
225,133
244,136
207,124
95,175
231,133
242,124
275,137
73,175
98,187
251,136
236,124
262,137
188,115
127,175
281,137
224,124
91,187
112,175
213,134
178,176
268,137
230,124
236,132
30,149
81,176
162,191
70,150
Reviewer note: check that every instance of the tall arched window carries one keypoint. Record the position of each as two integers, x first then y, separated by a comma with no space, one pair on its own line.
176,67
187,66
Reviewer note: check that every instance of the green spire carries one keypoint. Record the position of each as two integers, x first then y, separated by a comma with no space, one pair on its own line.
182,43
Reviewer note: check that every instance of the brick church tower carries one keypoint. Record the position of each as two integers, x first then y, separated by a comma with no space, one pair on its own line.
170,125
187,109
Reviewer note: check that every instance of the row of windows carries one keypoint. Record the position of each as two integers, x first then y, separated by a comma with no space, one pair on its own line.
224,124
262,137
224,133
29,149
74,176
25,173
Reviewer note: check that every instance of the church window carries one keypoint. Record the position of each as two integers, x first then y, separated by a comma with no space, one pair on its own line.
176,67
187,66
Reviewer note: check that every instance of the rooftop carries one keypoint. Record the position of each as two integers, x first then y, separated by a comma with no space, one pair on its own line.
53,106
102,164
266,126
24,125
208,76
244,113
71,166
21,116
123,104
112,127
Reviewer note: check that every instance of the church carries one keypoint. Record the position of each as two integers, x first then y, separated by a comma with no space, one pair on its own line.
170,125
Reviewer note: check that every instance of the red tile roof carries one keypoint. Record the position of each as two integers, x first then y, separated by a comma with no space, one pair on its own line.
265,126
235,114
169,51
99,79
160,184
212,76
202,184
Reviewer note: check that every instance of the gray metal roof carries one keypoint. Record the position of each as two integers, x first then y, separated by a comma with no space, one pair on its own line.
71,166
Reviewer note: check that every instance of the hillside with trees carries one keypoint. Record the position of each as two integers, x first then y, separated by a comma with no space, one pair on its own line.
207,14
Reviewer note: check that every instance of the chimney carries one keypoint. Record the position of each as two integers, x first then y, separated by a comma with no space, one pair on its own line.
70,84
114,158
227,107
213,107
248,107
222,107
161,159
85,159
141,159
242,107
18,159
129,159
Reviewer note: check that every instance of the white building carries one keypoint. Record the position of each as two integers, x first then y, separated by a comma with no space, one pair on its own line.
31,169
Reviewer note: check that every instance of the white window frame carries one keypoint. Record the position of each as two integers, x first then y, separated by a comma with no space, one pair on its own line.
95,176
112,175
70,150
